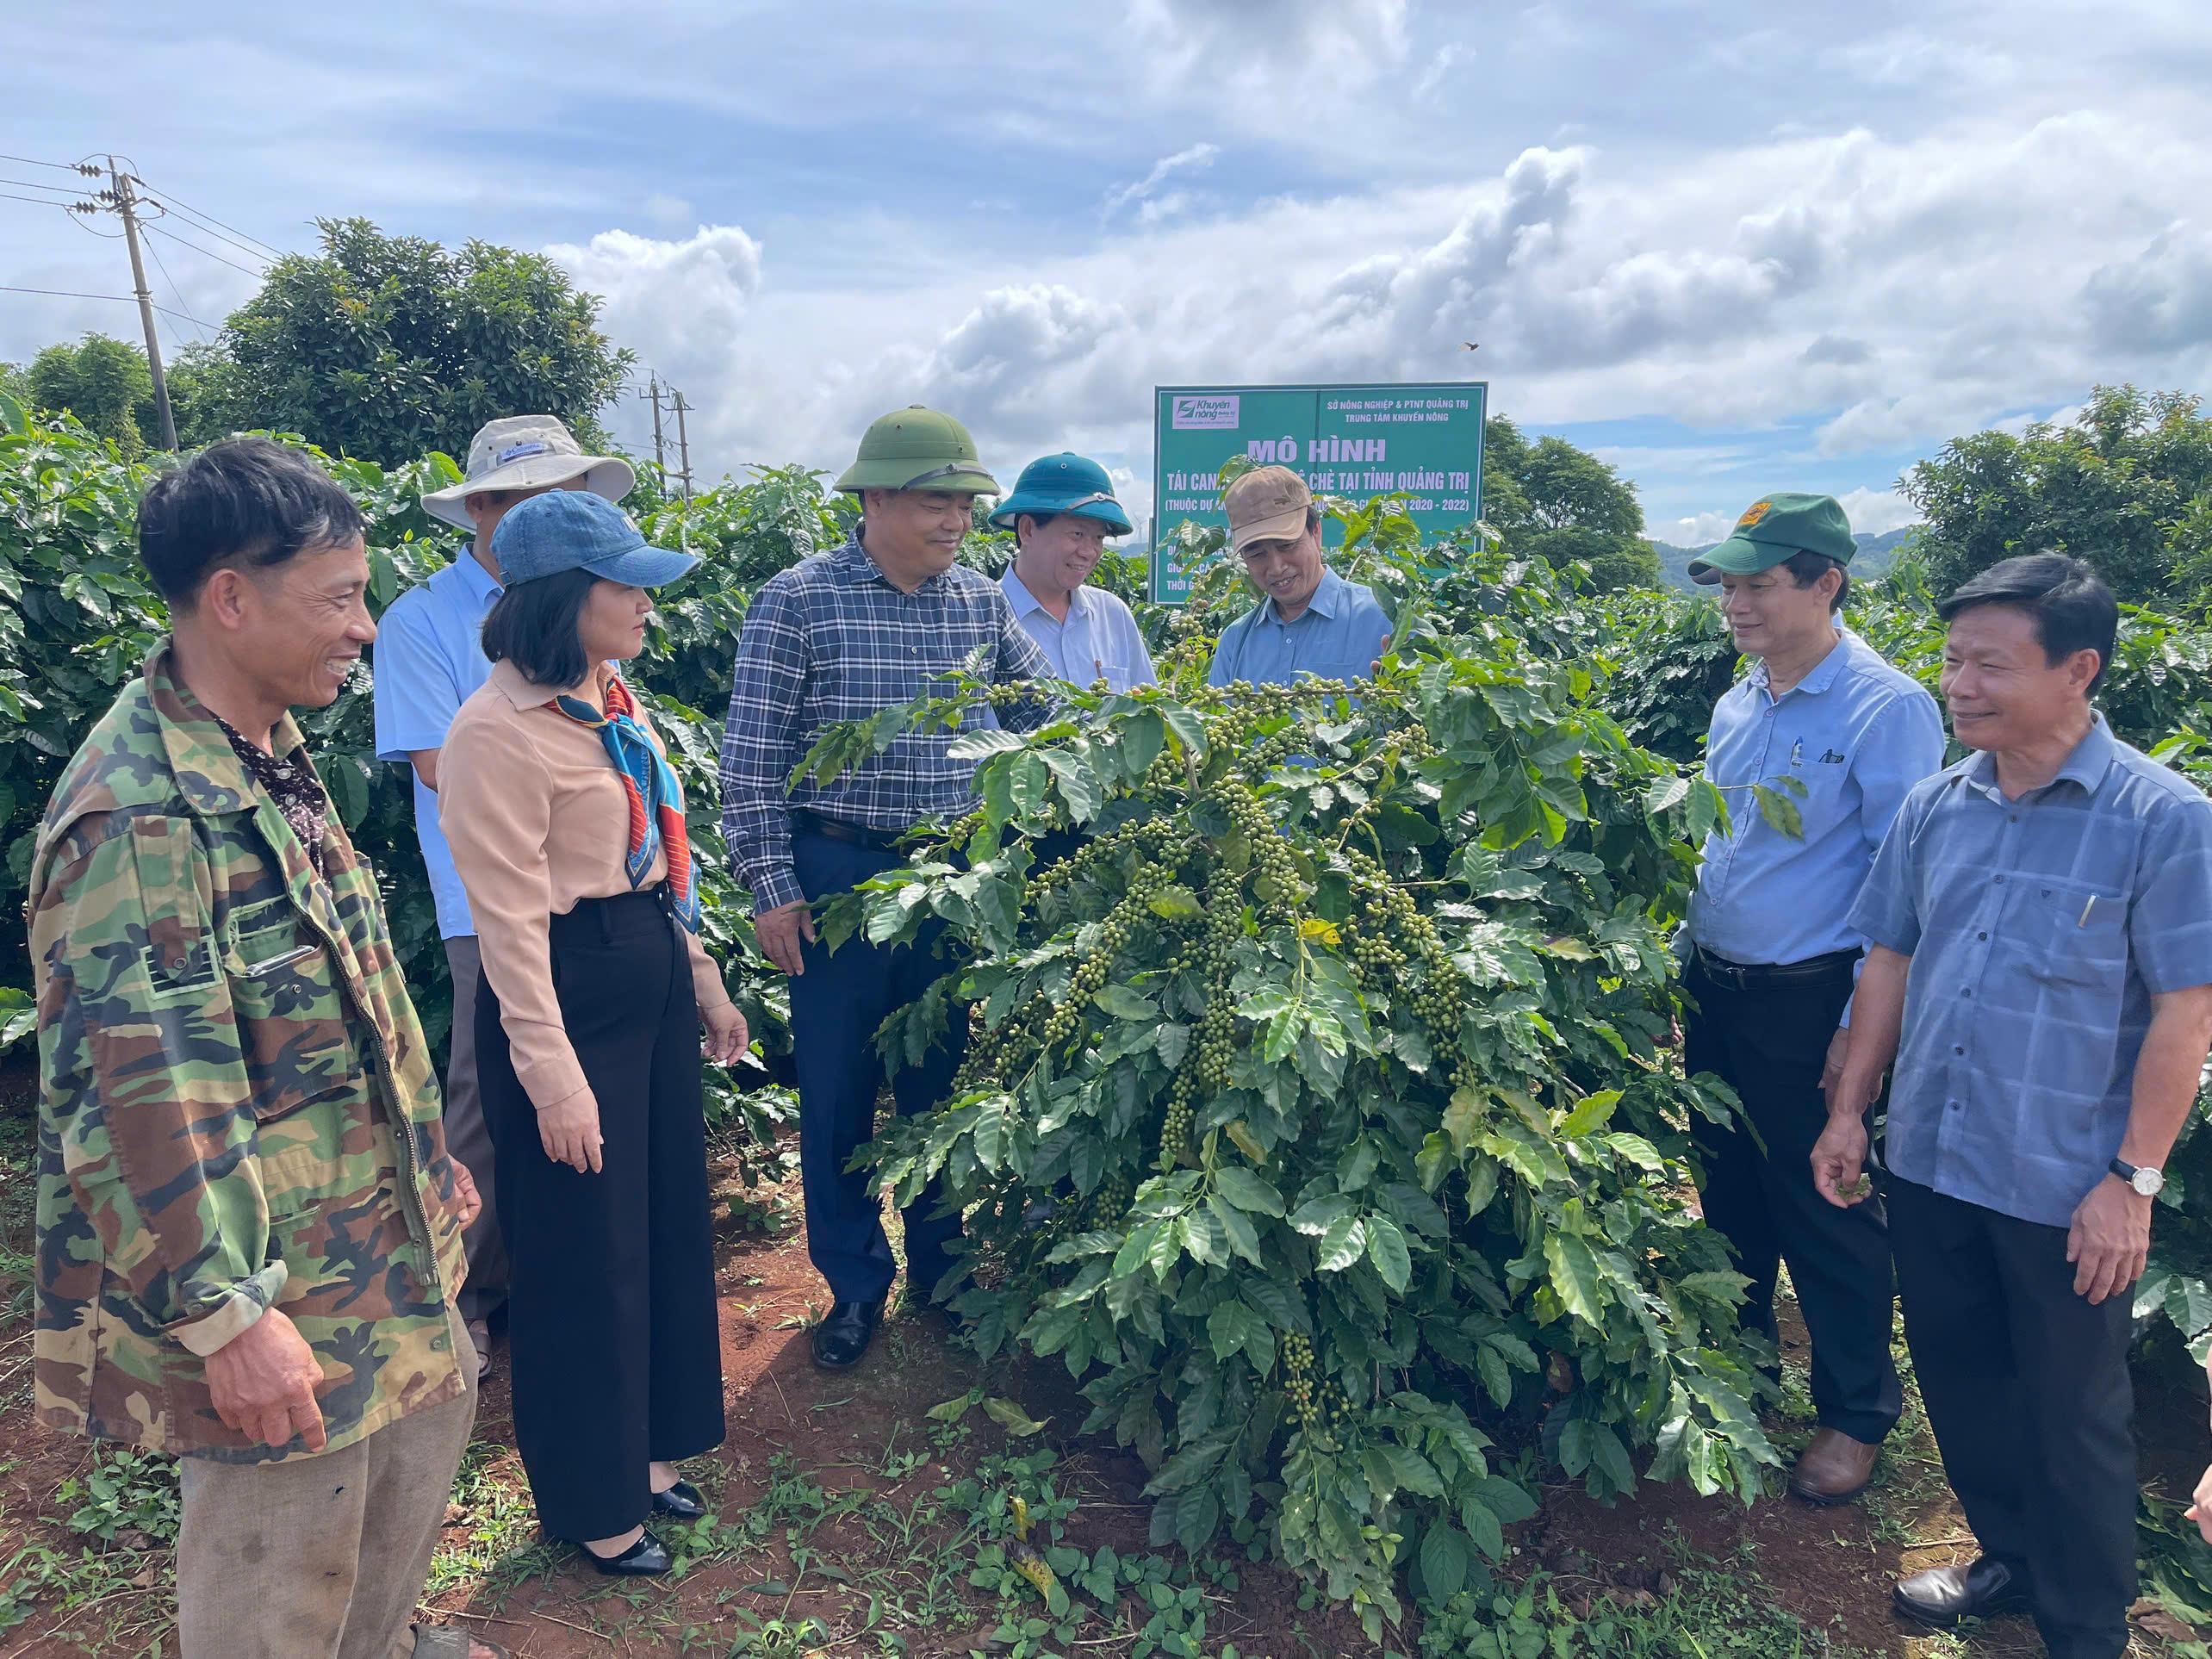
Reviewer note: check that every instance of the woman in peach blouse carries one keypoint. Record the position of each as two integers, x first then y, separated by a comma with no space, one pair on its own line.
567,826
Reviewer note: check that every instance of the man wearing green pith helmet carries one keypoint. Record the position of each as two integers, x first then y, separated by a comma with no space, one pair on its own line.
868,626
1061,511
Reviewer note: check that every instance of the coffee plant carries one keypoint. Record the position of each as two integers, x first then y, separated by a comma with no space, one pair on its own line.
1314,1113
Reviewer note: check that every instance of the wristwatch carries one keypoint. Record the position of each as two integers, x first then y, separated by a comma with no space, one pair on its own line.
2148,1182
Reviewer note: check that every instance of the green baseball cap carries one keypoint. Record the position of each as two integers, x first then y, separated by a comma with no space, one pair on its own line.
914,448
1777,527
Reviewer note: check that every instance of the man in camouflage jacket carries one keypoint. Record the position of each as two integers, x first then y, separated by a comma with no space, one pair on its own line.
249,1227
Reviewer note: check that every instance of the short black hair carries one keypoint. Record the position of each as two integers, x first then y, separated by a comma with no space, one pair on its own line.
1037,521
246,501
1807,569
532,624
2069,603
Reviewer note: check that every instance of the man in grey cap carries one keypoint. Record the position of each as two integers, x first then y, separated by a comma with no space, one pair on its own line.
428,658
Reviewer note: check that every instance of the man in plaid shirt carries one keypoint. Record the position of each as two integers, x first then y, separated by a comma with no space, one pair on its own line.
875,624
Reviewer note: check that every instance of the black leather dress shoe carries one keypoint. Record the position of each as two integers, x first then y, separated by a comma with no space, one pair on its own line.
843,1337
1945,1596
646,1558
682,1501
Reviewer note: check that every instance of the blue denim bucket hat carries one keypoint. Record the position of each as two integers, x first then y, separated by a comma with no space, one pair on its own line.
575,530
1065,482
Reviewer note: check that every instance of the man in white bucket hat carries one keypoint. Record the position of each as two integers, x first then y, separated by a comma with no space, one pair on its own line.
428,658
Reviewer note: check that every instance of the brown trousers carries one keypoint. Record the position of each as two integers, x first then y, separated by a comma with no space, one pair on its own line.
319,1557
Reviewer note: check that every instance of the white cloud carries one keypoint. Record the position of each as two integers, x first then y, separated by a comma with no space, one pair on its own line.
672,301
1699,530
1448,57
1198,156
1877,511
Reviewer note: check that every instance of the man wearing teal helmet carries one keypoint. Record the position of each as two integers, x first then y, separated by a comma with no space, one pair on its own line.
1061,511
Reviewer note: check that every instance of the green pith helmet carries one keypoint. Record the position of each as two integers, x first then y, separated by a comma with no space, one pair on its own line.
914,448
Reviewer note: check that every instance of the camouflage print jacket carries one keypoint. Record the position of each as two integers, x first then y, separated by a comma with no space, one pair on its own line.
237,1105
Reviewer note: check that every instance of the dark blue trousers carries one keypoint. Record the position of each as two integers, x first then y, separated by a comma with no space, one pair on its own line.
835,1006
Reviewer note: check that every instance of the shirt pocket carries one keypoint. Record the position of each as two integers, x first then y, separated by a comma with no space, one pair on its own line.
2075,935
293,1031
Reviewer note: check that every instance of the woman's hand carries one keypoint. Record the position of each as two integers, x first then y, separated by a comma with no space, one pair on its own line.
726,1037
570,1130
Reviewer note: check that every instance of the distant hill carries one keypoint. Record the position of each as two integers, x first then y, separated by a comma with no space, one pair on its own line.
1875,555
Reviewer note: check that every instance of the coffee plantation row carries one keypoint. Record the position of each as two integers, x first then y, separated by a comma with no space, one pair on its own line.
1318,1115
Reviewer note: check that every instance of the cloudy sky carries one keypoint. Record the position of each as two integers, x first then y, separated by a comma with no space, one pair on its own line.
1730,247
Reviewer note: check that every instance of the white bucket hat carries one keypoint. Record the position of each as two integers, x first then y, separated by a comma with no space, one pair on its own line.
526,452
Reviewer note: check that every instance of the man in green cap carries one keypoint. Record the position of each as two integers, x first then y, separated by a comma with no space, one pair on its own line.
1771,956
870,625
1061,511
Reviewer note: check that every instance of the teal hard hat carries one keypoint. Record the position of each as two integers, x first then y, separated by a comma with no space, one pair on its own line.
1065,482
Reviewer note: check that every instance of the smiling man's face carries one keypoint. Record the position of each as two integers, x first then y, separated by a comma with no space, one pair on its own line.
306,624
1289,572
2001,688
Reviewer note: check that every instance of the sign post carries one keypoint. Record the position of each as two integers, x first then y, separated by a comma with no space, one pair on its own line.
1423,440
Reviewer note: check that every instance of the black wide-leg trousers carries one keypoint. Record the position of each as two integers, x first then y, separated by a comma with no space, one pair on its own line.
2027,1391
1769,1043
612,1334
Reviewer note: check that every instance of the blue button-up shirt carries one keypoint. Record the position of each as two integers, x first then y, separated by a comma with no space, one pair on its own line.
1858,735
428,658
832,639
2040,929
1098,641
1337,636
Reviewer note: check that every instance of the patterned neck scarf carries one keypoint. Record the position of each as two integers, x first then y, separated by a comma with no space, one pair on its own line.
656,811
293,785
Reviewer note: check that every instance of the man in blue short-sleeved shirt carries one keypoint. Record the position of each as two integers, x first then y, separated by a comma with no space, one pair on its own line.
1061,511
1310,620
2050,897
429,657
1772,951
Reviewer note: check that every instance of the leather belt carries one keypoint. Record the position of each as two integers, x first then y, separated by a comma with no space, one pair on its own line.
1757,975
852,835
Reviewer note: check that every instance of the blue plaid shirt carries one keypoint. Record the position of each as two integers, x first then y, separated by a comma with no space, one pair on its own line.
2038,929
831,640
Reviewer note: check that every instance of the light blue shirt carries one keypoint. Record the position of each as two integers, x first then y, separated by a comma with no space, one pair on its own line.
1336,636
1858,734
1098,641
2038,929
428,658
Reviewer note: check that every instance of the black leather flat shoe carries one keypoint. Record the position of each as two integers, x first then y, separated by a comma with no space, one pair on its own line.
682,1501
1945,1596
841,1339
646,1558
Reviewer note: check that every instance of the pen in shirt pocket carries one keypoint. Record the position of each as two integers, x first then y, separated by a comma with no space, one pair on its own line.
2085,910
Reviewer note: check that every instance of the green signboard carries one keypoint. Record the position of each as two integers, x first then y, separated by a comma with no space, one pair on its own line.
1425,440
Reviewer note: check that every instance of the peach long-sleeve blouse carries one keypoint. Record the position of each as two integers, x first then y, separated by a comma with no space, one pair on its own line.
535,813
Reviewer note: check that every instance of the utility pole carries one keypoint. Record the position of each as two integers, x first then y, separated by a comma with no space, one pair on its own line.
120,190
683,445
660,448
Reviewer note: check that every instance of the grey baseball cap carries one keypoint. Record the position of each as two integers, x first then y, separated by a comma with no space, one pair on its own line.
527,452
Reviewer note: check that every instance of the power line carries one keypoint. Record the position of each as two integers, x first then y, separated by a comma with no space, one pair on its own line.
163,267
35,201
191,212
78,294
89,171
183,217
209,254
32,185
